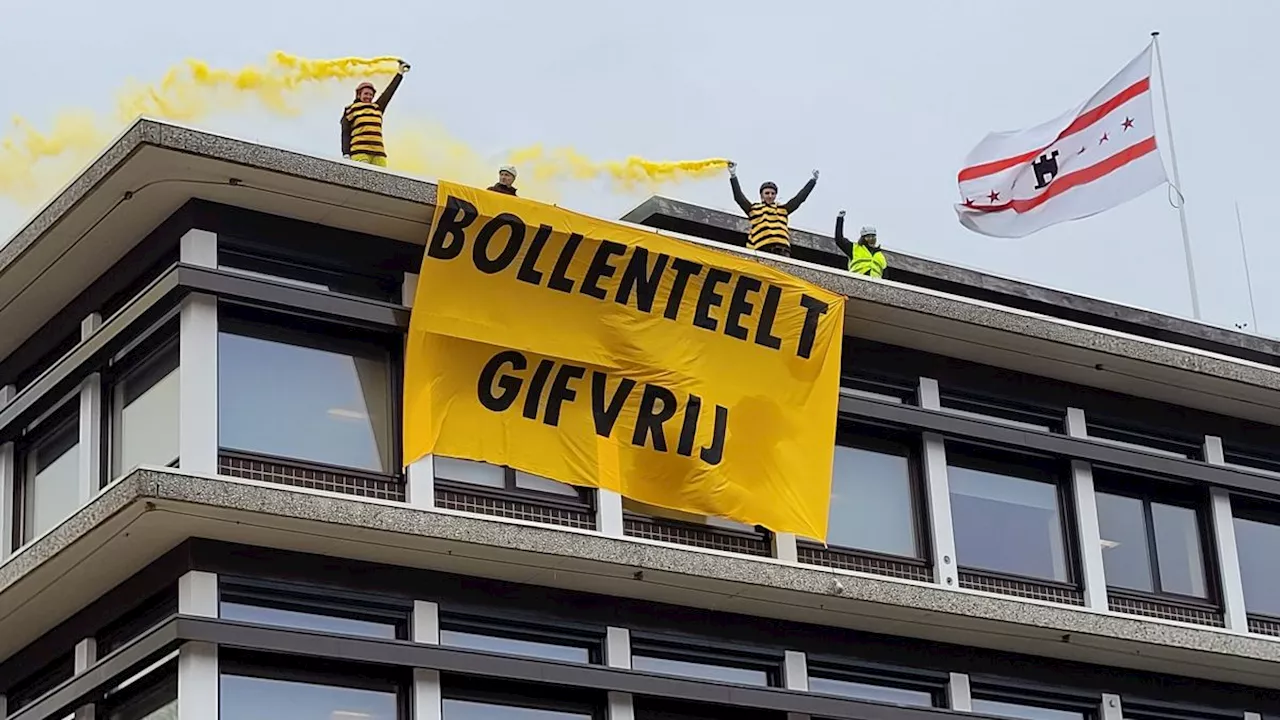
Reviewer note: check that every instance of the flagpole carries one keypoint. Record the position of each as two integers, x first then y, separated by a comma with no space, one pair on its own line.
1248,279
1177,183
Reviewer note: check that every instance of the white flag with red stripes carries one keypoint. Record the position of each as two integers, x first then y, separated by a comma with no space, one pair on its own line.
1093,158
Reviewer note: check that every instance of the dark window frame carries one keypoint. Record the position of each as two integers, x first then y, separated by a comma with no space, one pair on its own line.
704,651
860,435
1051,470
1037,695
582,637
235,253
999,407
137,620
510,492
331,673
309,333
1259,510
65,417
487,691
880,674
1168,438
142,697
158,352
30,688
1148,490
314,599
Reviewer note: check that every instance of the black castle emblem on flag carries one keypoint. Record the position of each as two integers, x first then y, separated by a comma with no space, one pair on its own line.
1046,169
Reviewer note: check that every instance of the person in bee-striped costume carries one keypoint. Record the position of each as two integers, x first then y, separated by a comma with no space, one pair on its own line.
769,231
362,122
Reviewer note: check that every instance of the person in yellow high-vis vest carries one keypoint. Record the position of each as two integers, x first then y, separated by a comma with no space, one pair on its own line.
865,256
362,122
770,231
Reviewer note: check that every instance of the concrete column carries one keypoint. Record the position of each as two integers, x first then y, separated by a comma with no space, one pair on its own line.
784,547
1089,536
1252,716
198,594
1222,521
86,654
795,671
617,648
408,289
90,437
7,394
1110,708
928,396
609,513
426,622
959,695
199,247
938,498
1076,425
4,706
198,681
420,477
8,498
428,700
198,384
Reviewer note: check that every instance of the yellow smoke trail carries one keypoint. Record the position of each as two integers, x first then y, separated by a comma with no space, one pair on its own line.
33,163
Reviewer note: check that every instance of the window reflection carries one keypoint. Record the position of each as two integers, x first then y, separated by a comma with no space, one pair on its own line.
1257,543
253,698
871,502
1180,557
1006,523
1023,712
470,710
872,692
306,402
701,671
279,617
1126,557
513,646
484,474
145,418
51,489
1150,546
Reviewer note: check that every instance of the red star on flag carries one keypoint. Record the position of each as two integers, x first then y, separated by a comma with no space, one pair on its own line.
1128,123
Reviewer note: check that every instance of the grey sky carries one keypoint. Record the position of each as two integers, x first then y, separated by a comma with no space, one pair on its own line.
886,98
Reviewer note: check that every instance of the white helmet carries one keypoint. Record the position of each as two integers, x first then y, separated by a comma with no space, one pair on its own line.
867,230
508,169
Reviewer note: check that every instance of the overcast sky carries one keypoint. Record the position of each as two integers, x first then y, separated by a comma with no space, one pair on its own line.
885,98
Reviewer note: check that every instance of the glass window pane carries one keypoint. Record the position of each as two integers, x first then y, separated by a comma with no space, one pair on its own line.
468,710
1007,524
52,487
305,620
871,506
251,698
1178,550
1023,712
1125,555
148,421
701,671
512,646
300,402
868,691
1257,543
529,481
469,471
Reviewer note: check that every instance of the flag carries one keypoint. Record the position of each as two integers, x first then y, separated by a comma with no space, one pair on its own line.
1090,159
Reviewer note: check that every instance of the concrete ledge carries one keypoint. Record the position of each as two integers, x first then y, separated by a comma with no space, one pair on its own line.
151,511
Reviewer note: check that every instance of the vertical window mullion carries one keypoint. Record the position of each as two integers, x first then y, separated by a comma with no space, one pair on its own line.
1153,551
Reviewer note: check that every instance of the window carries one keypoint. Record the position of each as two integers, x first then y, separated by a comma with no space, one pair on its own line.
321,610
1257,538
1022,711
51,473
154,698
1007,514
1002,410
305,397
29,689
873,494
1150,546
476,710
876,687
498,477
488,635
138,620
255,691
144,413
669,660
254,264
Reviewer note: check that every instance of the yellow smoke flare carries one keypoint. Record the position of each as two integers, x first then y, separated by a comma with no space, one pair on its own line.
33,163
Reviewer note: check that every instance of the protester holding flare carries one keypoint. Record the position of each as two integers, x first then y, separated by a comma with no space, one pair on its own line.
865,256
362,122
769,229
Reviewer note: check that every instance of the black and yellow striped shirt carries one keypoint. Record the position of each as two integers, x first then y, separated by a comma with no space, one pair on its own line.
362,123
769,221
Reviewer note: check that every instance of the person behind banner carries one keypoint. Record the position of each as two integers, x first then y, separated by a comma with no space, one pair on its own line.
769,221
362,122
865,256
506,180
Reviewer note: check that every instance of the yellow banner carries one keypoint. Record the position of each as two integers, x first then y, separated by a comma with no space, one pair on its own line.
608,356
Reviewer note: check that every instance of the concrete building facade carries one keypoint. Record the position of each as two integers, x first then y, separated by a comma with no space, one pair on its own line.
1045,506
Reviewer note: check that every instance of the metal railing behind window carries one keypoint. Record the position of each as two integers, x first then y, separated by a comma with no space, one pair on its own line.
315,477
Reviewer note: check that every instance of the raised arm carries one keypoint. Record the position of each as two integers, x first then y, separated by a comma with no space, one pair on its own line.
346,135
794,203
738,197
385,98
846,246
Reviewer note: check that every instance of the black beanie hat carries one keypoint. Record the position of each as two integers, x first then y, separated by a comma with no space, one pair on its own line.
767,186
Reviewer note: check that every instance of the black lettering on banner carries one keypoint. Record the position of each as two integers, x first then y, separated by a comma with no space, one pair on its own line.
561,392
558,280
685,269
714,453
657,405
813,310
447,238
642,280
534,395
769,313
600,269
528,271
709,297
606,414
487,389
740,306
515,238
689,429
